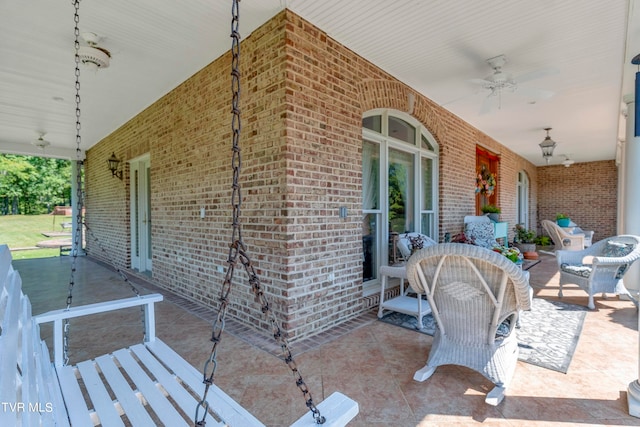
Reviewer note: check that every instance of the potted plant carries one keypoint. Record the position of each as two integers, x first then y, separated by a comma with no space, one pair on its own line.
543,241
492,211
525,240
562,220
513,254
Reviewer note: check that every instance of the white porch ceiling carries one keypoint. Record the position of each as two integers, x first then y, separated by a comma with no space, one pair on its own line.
434,46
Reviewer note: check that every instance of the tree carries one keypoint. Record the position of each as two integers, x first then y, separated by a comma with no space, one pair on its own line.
397,192
33,185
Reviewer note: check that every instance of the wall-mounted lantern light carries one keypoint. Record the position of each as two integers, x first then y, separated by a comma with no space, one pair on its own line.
114,165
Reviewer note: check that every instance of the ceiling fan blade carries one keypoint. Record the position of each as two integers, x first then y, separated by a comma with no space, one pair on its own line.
475,58
453,101
535,93
481,81
532,75
489,104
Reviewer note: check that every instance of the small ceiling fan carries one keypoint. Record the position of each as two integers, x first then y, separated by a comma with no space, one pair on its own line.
567,161
41,142
501,81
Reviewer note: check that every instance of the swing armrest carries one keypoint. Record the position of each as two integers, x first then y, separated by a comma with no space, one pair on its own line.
57,317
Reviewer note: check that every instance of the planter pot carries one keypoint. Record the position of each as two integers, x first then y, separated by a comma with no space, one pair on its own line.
564,222
525,247
530,255
495,217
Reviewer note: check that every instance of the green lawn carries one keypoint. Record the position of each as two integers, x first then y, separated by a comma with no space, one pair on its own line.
23,232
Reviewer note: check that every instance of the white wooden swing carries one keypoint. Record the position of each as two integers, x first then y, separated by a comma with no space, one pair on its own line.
147,384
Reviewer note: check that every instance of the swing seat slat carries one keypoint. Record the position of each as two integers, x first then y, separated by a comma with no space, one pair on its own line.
145,384
226,407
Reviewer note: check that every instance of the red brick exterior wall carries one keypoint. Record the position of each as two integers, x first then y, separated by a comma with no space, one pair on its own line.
586,192
303,99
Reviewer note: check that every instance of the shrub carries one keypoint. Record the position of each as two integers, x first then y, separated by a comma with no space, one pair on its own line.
542,240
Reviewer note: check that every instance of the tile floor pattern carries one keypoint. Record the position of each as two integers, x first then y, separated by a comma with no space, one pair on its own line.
370,361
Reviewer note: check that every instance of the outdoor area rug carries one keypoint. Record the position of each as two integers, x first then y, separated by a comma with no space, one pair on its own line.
548,334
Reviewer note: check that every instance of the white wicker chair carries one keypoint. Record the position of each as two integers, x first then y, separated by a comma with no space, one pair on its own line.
561,239
474,293
600,267
588,234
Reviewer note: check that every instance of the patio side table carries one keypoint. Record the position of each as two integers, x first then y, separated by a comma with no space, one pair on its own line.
403,303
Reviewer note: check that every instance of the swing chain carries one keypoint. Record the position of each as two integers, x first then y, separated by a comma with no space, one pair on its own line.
280,338
238,249
77,242
123,276
79,163
211,364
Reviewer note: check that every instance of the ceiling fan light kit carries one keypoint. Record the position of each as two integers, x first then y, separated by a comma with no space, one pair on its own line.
499,80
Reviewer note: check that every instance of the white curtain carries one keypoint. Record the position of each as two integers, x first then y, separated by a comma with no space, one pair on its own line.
370,175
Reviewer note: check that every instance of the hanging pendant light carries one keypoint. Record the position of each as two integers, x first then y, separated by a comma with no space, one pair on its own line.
547,146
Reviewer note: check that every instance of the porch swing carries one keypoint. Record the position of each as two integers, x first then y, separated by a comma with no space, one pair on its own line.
146,384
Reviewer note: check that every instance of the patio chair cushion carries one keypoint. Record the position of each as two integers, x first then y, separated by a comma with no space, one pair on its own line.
504,328
583,270
617,249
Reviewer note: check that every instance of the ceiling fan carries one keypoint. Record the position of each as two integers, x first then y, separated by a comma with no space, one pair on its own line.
567,161
41,142
501,81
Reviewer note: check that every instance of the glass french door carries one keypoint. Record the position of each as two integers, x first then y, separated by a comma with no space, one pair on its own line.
141,247
401,191
523,199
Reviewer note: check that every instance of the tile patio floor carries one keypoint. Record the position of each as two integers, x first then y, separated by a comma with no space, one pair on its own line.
370,361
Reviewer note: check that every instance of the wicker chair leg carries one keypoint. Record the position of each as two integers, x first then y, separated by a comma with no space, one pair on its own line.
424,373
495,396
591,305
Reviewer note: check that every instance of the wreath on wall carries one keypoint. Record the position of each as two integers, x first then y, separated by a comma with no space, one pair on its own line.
485,182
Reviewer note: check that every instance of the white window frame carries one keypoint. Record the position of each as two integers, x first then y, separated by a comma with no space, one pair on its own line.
522,192
386,142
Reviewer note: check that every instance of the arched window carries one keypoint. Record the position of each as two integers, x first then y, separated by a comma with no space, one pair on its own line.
399,184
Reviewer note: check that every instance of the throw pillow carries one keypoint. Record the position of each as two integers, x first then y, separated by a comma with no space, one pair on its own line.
617,249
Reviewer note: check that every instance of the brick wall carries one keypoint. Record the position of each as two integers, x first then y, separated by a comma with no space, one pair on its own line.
303,99
586,192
